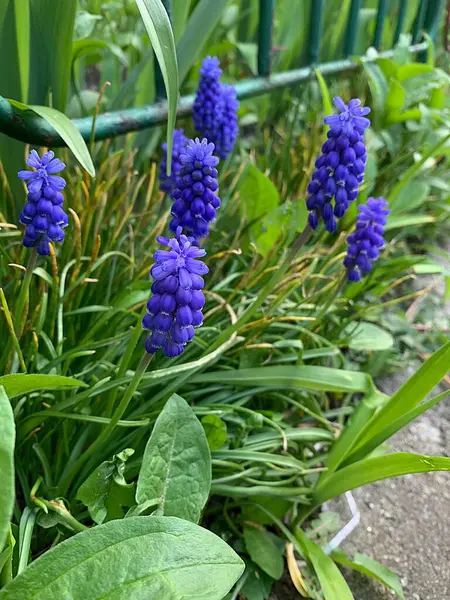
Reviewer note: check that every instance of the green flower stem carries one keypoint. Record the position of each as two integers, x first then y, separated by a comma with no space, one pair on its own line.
22,301
265,291
107,431
20,310
66,518
125,361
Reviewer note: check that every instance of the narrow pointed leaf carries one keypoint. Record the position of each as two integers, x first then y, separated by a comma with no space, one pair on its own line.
17,385
7,438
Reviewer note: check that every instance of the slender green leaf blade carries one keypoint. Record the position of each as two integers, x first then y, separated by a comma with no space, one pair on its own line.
69,134
176,466
263,551
367,336
370,470
332,582
22,14
368,566
200,26
7,438
51,35
325,92
158,27
163,558
308,377
21,383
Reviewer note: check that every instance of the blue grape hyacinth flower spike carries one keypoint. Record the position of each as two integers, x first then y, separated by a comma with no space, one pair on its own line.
365,242
167,183
196,203
175,308
43,214
229,128
340,168
208,105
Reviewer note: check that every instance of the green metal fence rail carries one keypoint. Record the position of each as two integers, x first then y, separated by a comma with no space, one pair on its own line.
35,130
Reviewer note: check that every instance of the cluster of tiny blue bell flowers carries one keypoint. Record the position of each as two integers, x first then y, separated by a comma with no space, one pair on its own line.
43,214
175,308
167,183
340,168
195,202
215,108
365,242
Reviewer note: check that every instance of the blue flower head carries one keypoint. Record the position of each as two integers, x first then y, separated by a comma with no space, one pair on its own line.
175,308
341,166
167,183
43,214
195,201
365,242
229,129
208,105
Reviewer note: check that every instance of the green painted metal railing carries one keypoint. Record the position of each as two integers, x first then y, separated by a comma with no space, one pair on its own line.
35,130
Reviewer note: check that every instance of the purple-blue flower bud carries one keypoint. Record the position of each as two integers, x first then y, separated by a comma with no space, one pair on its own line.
42,213
208,106
176,305
167,183
364,243
340,168
195,199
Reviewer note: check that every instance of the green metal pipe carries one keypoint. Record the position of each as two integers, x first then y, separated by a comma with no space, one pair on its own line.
419,21
265,28
316,26
400,20
352,27
378,36
28,127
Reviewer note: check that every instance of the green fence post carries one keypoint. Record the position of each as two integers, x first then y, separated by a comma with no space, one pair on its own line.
435,9
265,36
160,88
419,20
352,27
401,20
378,36
316,26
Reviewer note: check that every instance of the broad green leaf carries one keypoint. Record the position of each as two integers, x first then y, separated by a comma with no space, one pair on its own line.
369,566
409,395
16,385
51,35
405,72
411,197
162,558
277,507
367,336
176,466
308,377
257,584
258,195
263,551
201,23
374,469
69,134
7,438
159,30
332,582
180,13
98,492
396,96
215,430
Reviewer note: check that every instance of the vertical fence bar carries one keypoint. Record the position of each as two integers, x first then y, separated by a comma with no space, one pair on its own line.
316,26
418,23
435,10
159,80
378,36
401,20
265,29
352,27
